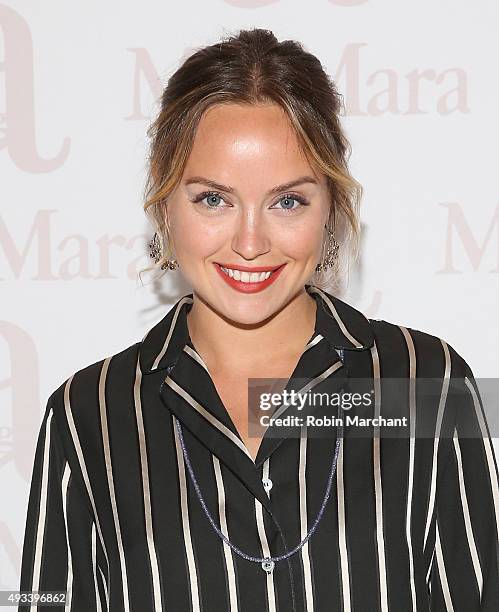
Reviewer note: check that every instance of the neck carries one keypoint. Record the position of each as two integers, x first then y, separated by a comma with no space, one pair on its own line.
220,341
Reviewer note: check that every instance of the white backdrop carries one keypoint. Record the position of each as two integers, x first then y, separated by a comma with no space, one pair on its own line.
78,87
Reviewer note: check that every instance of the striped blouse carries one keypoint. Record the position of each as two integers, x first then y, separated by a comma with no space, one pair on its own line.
411,522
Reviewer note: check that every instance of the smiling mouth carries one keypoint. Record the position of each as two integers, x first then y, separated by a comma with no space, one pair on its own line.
247,276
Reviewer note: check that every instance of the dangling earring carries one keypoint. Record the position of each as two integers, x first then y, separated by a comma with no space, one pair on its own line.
331,254
155,252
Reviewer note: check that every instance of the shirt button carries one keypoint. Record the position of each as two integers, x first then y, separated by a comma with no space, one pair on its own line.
267,484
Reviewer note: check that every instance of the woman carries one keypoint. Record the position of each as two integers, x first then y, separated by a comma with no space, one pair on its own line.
151,491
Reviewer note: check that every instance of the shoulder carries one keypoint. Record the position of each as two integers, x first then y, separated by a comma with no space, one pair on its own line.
396,349
80,391
429,352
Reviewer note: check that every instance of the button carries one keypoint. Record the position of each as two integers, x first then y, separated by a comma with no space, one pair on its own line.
267,484
268,566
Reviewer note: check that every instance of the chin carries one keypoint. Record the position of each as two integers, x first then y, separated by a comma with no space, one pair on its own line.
249,309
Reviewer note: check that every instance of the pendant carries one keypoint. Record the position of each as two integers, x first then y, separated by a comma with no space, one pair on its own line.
268,566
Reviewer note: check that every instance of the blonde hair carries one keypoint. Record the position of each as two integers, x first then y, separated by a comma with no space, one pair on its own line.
255,68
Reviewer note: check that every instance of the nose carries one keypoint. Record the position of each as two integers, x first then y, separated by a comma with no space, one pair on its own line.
251,238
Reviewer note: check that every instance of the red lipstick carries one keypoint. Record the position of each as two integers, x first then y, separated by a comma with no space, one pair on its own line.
250,287
250,268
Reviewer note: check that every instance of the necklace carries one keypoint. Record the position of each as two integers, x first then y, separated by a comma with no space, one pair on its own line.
267,563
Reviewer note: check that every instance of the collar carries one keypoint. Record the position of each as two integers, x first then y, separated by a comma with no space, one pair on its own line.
341,324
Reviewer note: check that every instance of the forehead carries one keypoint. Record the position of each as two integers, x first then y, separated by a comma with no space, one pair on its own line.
247,137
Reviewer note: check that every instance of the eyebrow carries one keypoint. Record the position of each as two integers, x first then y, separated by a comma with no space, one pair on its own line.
284,187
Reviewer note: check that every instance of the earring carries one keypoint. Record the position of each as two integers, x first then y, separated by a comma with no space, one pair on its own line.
155,252
331,254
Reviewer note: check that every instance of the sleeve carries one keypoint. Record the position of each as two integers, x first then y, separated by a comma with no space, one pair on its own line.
465,568
59,540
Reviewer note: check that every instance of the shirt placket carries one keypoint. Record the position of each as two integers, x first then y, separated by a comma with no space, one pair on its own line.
189,393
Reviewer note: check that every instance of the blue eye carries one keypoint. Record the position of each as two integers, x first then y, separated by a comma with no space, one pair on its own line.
292,198
211,196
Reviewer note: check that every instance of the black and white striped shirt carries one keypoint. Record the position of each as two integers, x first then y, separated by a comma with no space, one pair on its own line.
411,523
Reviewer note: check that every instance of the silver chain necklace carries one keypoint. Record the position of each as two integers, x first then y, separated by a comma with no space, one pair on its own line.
267,563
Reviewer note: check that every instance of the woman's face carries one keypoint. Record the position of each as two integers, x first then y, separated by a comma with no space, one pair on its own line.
248,219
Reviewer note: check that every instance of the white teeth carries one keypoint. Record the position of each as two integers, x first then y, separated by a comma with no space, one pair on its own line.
246,277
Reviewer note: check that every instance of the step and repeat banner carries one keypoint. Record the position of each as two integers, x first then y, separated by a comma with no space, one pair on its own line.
80,84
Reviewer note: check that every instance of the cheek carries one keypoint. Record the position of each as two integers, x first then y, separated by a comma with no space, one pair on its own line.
195,239
301,243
